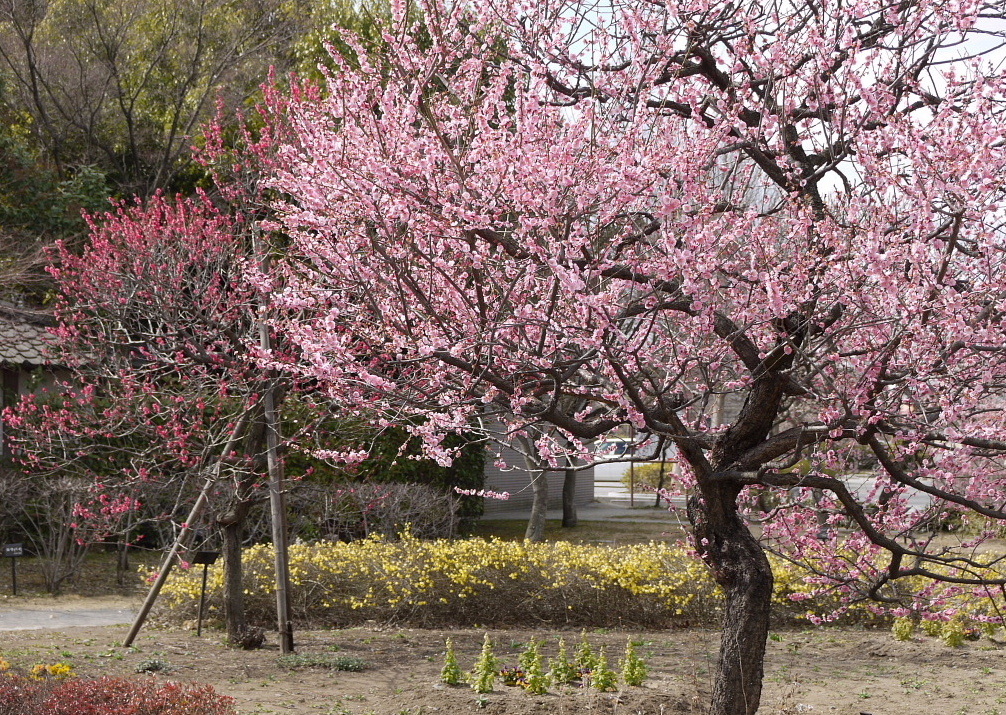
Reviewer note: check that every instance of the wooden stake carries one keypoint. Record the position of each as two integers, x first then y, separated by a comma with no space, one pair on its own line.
277,499
169,561
186,530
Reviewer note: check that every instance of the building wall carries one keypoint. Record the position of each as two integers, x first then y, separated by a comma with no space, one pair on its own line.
517,481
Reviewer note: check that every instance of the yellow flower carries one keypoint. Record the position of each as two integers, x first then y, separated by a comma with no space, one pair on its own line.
40,671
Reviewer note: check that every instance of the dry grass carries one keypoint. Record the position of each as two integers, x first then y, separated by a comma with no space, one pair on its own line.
98,577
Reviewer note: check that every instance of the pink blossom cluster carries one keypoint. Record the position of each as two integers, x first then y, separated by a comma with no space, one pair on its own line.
487,493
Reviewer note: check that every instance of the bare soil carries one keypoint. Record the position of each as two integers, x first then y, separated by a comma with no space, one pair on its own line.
845,671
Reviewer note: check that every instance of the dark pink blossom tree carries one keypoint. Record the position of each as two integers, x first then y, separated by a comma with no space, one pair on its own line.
652,211
160,326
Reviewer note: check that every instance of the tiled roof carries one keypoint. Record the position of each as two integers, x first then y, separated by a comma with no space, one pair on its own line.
23,336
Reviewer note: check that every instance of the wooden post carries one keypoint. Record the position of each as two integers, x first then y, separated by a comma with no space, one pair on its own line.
632,466
277,508
277,499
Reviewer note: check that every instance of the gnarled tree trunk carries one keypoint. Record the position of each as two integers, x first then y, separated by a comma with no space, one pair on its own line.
740,567
736,559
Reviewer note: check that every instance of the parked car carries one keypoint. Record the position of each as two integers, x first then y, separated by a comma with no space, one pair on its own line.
640,448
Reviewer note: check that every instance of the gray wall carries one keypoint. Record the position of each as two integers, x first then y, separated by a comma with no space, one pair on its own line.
517,481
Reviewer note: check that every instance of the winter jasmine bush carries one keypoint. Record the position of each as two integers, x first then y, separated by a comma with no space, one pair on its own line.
463,582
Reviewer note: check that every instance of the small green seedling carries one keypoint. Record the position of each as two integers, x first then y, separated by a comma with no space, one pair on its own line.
483,674
451,673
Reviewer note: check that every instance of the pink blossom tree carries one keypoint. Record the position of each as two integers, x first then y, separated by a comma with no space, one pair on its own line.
159,325
654,211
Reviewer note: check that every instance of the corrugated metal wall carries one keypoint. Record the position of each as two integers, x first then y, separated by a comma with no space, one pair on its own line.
517,481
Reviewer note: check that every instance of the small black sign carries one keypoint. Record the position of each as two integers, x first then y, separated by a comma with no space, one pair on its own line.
205,557
13,550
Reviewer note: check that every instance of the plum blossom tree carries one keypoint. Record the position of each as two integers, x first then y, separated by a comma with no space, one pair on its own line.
650,206
159,325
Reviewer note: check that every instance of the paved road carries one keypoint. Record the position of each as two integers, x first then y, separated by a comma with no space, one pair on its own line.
25,619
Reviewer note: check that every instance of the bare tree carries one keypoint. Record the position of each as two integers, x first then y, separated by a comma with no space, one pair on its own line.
124,85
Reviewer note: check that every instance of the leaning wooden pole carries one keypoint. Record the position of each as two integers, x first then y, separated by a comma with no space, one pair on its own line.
185,532
169,561
277,498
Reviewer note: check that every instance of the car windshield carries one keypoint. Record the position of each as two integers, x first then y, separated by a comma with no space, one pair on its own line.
613,448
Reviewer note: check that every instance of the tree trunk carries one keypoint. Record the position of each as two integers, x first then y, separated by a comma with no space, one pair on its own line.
121,561
233,525
233,522
660,479
234,597
539,506
539,489
741,568
569,519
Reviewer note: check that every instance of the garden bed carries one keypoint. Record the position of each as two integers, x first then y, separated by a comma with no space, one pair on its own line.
833,670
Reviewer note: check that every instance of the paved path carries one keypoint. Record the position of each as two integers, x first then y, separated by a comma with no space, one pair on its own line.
604,511
26,619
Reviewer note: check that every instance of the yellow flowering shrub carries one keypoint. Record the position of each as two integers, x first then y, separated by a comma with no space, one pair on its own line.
40,671
465,581
495,582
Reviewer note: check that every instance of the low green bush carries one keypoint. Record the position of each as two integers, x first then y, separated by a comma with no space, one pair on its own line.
645,477
346,663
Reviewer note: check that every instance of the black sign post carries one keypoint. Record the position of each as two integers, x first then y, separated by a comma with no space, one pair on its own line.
206,558
12,551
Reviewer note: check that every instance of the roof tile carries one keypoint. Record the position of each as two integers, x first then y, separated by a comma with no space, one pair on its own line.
22,342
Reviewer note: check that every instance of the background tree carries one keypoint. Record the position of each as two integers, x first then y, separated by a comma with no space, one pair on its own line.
649,206
104,98
37,206
124,86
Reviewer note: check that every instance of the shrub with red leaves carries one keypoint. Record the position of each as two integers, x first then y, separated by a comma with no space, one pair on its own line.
108,696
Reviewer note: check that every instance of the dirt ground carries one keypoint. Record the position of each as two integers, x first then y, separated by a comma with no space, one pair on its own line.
832,670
